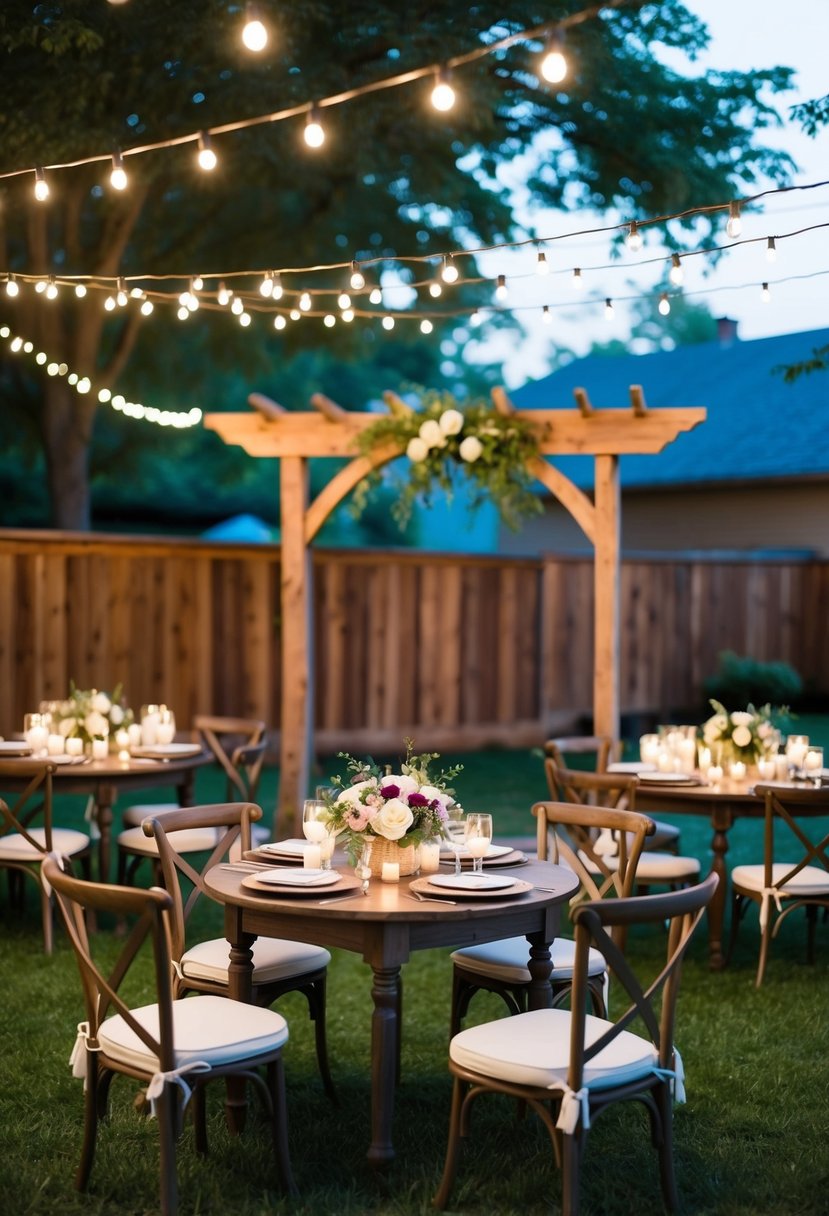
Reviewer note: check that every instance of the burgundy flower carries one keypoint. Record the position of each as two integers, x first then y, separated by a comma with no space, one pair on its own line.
418,800
390,791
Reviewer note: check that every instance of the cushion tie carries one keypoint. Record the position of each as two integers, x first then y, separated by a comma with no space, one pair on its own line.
677,1077
78,1059
59,861
574,1103
768,893
175,1076
91,817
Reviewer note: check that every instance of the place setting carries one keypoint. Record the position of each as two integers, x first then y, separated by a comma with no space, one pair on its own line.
298,881
468,879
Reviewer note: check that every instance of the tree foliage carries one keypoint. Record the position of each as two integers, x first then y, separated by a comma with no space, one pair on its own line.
79,79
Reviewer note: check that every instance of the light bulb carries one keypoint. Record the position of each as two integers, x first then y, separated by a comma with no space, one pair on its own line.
634,237
343,300
375,296
664,304
276,294
136,293
244,319
608,309
765,294
426,326
305,301
266,286
676,274
449,271
279,322
198,283
223,296
314,134
80,290
294,314
147,308
118,175
348,315
771,250
12,287
183,314
546,315
435,290
122,297
329,320
254,33
52,289
41,357
207,158
554,64
109,303
104,395
237,306
41,186
734,226
443,95
358,279
542,266
501,292
40,286
577,280
388,322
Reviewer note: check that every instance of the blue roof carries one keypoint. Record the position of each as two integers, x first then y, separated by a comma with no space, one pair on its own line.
758,427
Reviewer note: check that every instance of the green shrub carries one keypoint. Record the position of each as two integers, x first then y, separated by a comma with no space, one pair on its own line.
743,681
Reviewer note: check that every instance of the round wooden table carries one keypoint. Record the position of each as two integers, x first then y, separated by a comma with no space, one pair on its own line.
384,927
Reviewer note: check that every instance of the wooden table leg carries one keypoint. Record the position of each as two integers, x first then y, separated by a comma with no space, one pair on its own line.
385,993
105,796
540,991
721,820
240,977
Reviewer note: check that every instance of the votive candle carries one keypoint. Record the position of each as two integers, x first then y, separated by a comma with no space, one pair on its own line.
100,749
56,745
391,871
737,770
74,746
715,773
767,768
429,856
312,857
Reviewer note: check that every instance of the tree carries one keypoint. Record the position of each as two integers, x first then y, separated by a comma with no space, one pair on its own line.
81,79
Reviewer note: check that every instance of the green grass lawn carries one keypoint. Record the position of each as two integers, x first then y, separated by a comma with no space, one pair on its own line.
750,1140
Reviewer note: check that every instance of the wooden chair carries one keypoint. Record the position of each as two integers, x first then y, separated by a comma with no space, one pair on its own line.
779,886
568,1065
279,965
501,966
172,1047
238,745
600,749
619,790
28,834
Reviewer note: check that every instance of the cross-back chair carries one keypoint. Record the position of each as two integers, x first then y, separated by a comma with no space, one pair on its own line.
238,746
501,966
600,749
28,834
171,1047
619,790
279,965
568,1065
794,872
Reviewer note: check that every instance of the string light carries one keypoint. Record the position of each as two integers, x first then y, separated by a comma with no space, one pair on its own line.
329,320
426,326
358,279
765,294
449,271
664,304
554,63
542,266
546,315
118,176
343,301
40,286
375,296
122,297
147,307
255,32
734,224
608,309
198,284
314,133
634,237
771,250
435,290
266,286
207,158
244,319
305,301
294,314
276,294
279,321
236,306
51,289
109,303
577,281
501,292
443,95
348,315
388,322
223,295
676,274
41,186
12,287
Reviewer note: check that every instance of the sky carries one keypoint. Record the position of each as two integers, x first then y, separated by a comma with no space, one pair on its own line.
745,34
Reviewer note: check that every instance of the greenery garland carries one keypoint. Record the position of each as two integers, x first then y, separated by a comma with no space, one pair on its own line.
445,442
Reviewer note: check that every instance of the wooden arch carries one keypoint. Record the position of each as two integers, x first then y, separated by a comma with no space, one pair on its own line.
330,430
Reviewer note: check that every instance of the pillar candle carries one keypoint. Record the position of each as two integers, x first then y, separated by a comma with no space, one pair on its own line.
74,746
429,856
312,857
100,749
391,871
56,745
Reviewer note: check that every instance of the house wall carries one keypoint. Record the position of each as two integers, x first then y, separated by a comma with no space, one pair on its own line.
751,518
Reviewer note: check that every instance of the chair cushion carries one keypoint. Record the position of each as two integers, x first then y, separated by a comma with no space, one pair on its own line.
534,1049
273,959
66,841
666,867
202,1030
190,840
134,816
812,880
507,960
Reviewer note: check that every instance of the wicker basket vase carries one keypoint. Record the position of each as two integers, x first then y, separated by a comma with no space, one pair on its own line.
388,850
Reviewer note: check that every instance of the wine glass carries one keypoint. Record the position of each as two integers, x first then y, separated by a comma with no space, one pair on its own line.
363,866
477,837
315,828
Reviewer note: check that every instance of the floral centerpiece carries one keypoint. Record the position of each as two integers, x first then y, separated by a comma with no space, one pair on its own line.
743,734
445,442
90,714
394,812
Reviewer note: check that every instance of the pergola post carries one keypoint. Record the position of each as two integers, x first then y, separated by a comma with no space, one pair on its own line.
297,642
606,570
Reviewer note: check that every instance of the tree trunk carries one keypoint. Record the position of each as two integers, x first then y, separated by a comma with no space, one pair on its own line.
66,438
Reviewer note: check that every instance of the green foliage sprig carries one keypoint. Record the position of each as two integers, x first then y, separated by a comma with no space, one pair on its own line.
446,442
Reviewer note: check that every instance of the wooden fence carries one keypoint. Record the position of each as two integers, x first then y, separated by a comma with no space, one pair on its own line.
454,651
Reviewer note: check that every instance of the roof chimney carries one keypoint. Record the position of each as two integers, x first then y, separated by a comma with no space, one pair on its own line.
726,331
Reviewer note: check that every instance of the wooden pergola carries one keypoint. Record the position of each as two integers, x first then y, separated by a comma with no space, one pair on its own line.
330,430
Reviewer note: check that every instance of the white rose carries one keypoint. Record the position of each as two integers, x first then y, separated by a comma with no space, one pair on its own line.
66,727
431,791
470,449
741,718
116,715
352,792
451,422
101,703
96,725
741,736
417,450
431,433
393,820
406,785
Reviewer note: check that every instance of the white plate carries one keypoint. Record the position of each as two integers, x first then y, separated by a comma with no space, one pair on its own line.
11,747
285,848
631,766
299,878
471,882
494,850
667,778
165,750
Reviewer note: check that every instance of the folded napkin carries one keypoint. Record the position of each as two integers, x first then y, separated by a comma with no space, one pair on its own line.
284,848
299,878
472,882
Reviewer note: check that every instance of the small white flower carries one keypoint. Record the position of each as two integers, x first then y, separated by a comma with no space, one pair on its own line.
431,433
470,449
101,703
417,450
741,718
451,422
741,736
96,725
352,793
116,715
